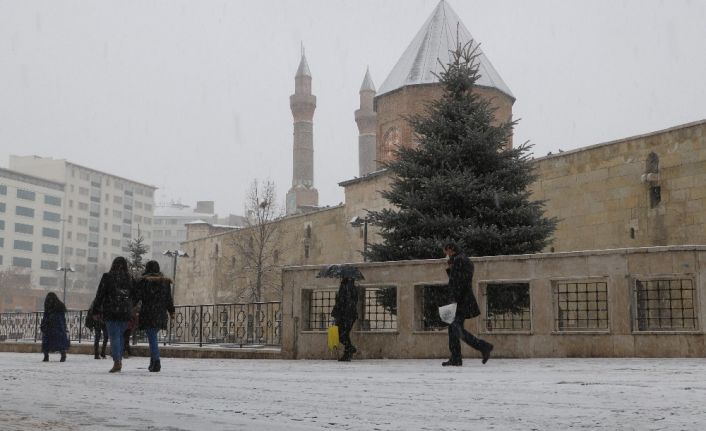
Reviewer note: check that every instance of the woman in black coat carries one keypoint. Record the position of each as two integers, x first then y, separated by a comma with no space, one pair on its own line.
154,290
113,304
460,272
98,327
53,326
345,311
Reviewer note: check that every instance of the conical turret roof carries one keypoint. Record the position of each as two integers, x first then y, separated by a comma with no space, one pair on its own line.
303,69
367,82
437,36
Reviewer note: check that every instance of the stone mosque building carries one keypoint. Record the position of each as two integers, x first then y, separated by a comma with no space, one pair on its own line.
632,221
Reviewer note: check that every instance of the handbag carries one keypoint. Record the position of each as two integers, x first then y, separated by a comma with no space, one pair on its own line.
332,333
447,313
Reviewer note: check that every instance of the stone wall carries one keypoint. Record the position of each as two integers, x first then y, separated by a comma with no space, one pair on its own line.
393,109
545,333
605,197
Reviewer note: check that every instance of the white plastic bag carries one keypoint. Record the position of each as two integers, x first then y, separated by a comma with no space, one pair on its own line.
448,312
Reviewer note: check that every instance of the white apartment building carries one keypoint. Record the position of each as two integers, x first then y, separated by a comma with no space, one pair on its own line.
101,214
30,229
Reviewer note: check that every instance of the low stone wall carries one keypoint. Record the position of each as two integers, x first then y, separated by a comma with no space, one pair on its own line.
164,351
635,302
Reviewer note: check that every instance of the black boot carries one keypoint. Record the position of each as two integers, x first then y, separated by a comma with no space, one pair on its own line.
452,363
46,357
63,357
485,352
95,352
156,366
103,351
151,365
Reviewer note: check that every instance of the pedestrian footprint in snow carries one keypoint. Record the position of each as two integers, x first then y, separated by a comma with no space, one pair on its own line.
154,291
53,326
460,272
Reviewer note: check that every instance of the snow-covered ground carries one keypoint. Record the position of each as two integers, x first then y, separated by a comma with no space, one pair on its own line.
214,394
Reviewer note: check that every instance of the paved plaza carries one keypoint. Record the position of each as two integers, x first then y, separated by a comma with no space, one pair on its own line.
216,394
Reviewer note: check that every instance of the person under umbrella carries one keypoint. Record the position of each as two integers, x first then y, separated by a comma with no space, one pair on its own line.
345,309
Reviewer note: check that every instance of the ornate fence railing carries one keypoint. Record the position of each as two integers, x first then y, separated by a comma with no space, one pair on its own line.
235,324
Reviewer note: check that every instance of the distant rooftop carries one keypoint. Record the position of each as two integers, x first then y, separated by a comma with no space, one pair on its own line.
431,45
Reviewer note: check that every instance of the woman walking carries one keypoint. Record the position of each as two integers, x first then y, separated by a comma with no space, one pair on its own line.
99,329
113,304
53,327
155,293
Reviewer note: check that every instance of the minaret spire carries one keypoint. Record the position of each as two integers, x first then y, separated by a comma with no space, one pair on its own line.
366,118
302,194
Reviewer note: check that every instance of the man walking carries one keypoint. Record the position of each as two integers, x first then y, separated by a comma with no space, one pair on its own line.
460,271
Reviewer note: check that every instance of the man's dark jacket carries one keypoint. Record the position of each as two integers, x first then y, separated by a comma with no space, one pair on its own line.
460,273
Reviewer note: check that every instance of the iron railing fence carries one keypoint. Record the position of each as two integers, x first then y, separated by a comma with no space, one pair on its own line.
234,324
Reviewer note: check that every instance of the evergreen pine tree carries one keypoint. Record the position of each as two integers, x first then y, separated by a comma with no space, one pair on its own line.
461,182
137,248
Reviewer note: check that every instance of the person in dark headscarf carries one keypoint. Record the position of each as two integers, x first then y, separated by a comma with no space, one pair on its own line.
53,326
113,304
154,290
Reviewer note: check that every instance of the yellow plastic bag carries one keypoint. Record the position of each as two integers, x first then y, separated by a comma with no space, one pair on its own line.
333,341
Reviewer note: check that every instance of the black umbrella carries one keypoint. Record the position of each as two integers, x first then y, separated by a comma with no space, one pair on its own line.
340,271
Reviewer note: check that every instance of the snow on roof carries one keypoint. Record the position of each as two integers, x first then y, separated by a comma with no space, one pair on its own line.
431,45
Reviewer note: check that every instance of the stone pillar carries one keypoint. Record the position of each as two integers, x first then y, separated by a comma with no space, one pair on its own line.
303,103
366,119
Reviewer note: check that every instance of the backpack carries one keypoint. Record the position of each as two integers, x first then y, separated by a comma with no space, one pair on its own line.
121,303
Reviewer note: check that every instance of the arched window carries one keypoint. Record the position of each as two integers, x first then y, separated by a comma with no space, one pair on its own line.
308,231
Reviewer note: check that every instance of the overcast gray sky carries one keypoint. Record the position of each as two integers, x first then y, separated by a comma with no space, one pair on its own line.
193,96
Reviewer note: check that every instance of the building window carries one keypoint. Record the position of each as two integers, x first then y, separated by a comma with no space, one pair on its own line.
50,249
3,189
21,262
81,237
49,264
22,245
24,228
81,252
507,307
2,242
83,191
308,231
50,216
25,194
24,211
48,281
69,251
665,304
275,257
115,242
82,221
52,200
2,207
379,309
2,224
51,233
655,196
306,251
321,304
580,306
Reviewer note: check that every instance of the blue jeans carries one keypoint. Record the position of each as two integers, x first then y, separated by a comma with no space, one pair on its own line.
115,332
154,343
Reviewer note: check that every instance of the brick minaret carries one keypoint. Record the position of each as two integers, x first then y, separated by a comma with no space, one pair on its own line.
303,103
366,118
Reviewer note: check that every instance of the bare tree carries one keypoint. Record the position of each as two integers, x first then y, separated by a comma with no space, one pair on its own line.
257,243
